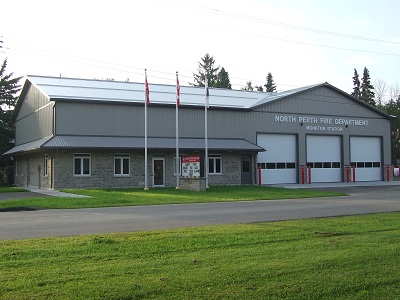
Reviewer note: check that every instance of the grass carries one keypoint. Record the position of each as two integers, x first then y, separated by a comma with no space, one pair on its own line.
134,197
7,189
333,258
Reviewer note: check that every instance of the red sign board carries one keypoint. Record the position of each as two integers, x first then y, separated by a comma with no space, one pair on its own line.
190,159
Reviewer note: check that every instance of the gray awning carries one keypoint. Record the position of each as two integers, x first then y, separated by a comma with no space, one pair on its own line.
136,143
28,146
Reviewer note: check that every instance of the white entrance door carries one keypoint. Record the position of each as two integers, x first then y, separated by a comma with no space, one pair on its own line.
324,158
365,155
278,163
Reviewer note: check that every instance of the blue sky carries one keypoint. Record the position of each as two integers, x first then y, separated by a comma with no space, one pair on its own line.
299,42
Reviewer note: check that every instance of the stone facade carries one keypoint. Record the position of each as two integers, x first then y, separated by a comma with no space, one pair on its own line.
193,184
60,170
30,170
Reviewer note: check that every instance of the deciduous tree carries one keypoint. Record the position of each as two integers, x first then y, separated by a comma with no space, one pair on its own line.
381,89
248,87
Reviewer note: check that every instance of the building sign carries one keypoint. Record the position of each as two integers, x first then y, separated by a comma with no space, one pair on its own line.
191,166
321,123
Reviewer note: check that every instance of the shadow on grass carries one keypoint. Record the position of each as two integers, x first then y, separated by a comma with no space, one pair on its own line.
23,208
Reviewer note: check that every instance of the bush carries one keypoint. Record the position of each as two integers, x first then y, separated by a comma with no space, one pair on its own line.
6,175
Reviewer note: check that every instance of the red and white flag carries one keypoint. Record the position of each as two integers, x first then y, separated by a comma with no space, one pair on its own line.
178,91
147,91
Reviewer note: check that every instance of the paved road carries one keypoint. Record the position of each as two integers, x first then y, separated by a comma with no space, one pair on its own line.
47,223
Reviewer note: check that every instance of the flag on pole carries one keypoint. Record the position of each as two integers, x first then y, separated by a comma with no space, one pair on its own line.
178,91
177,169
147,91
146,103
206,162
207,94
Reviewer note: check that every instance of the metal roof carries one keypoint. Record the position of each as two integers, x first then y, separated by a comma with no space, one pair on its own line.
133,92
28,146
276,96
75,89
135,143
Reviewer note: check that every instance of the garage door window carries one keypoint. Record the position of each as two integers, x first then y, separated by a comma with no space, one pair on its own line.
278,165
366,164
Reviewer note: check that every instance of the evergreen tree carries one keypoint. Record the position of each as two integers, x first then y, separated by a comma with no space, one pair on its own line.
206,70
248,87
367,93
270,85
357,85
8,89
259,88
392,108
223,80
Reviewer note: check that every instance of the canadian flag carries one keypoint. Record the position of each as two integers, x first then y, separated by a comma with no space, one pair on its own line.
178,91
147,91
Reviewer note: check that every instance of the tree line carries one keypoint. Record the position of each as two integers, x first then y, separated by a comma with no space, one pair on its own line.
375,96
219,78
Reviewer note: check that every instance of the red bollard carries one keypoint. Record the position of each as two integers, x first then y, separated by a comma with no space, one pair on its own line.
309,175
259,176
354,173
302,174
388,173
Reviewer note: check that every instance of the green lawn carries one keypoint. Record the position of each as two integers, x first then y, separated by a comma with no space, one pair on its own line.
131,197
7,189
329,258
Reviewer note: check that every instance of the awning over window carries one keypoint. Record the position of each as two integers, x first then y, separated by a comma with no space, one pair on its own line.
135,143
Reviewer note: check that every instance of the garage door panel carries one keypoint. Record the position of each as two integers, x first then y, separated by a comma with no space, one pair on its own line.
365,156
278,176
278,163
324,158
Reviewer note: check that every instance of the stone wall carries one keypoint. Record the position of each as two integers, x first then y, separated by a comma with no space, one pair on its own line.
61,170
231,171
193,184
30,171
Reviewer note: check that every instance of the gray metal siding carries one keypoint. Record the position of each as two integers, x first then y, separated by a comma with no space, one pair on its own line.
98,119
128,120
320,100
33,101
35,117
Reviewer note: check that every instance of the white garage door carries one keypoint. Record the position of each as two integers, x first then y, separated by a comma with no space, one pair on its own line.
324,158
278,163
365,155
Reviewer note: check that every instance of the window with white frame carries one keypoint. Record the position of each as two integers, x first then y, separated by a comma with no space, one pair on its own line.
179,166
121,165
214,164
45,166
82,164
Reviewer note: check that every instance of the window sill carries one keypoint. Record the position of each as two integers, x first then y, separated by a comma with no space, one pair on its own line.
122,176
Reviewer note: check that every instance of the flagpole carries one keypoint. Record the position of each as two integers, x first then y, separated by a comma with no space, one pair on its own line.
146,96
177,170
205,131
